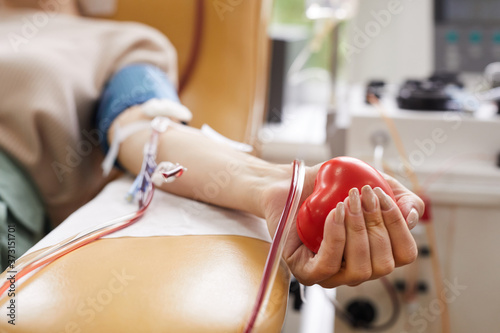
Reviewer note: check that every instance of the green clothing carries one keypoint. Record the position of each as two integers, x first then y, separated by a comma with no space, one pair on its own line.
22,215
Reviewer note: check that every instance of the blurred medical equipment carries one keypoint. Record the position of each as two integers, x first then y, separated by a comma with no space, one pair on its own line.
492,77
467,34
438,93
451,158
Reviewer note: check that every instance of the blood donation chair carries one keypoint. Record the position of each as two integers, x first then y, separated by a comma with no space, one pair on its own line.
223,52
189,283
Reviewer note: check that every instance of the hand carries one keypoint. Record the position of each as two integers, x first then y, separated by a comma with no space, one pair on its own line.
365,237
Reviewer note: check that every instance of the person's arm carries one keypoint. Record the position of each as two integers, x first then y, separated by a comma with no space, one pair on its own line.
216,173
364,240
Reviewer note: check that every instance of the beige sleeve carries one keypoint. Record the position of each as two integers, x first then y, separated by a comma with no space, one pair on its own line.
139,43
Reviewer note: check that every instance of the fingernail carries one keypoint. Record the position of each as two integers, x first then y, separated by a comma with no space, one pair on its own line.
412,218
385,200
354,202
340,213
368,199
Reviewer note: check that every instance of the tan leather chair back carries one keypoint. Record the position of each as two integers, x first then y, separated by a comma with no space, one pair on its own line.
227,86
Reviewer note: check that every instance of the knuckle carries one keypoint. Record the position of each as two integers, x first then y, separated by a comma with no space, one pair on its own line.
365,275
382,268
325,270
409,255
305,280
311,274
359,276
379,239
393,219
332,269
374,221
329,284
338,237
357,228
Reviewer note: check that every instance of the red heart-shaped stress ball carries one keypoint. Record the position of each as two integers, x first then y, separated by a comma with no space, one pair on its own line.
334,180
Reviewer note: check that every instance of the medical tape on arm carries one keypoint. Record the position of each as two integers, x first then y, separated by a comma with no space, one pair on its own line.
153,108
120,134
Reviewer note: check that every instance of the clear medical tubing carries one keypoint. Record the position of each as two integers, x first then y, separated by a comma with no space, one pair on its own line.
280,236
79,240
146,191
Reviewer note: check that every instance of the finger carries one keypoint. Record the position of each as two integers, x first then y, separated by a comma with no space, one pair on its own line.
357,265
412,218
411,205
357,251
382,259
404,248
328,260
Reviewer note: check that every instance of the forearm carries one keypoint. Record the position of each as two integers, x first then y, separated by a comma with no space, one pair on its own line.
217,174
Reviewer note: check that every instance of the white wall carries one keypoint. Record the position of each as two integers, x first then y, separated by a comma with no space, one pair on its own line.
397,46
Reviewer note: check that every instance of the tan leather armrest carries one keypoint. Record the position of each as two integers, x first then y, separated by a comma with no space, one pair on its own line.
155,284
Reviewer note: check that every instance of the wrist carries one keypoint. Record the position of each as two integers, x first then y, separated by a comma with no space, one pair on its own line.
272,189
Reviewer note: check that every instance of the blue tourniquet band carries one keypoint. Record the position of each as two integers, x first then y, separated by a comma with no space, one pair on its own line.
132,85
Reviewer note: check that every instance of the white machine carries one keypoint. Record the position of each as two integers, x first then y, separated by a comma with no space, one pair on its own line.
455,157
